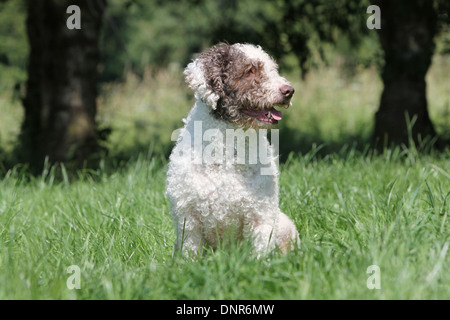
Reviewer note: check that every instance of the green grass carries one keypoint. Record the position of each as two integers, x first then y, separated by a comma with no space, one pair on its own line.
352,211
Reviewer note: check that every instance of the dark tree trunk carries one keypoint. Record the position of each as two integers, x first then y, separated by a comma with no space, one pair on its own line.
407,31
60,102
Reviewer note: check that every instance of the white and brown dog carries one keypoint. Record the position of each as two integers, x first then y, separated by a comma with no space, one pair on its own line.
211,192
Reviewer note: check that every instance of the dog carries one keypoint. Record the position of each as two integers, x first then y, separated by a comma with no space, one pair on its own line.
211,192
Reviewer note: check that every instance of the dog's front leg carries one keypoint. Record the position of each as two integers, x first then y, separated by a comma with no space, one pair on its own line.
263,236
189,239
287,237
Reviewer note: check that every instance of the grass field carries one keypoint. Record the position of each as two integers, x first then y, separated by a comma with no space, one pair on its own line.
353,208
352,212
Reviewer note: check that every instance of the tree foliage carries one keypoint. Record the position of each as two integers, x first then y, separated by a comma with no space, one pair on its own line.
13,44
159,33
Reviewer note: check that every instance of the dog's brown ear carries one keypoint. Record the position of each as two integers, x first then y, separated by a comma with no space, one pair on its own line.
207,74
215,63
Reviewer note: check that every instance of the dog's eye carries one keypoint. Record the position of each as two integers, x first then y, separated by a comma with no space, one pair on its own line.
251,71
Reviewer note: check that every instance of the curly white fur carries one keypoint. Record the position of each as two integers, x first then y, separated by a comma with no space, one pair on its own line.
210,198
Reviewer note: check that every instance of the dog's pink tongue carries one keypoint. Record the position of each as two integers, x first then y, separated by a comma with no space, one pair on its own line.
263,115
275,114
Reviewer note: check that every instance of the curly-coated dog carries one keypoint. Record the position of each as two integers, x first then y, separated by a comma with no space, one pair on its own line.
216,186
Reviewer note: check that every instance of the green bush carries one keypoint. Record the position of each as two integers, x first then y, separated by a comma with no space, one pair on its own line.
14,46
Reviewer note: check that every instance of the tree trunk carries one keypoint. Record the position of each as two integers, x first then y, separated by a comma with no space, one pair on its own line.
60,102
407,31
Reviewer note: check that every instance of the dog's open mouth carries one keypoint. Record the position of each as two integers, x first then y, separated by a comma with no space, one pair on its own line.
266,115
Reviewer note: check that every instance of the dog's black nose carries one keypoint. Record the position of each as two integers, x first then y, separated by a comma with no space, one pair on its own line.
287,90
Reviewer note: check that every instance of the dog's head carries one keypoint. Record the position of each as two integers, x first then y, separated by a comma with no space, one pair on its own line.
240,83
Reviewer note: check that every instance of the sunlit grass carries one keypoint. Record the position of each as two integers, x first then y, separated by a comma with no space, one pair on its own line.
352,212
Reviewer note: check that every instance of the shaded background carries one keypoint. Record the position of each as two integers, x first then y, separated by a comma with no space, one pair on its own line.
114,89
